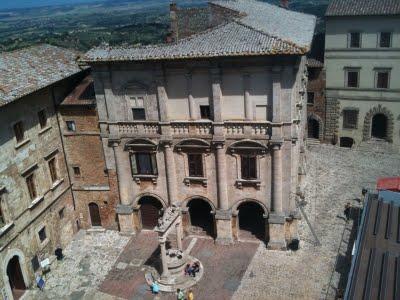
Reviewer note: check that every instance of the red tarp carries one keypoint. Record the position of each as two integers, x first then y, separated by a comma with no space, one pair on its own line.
389,183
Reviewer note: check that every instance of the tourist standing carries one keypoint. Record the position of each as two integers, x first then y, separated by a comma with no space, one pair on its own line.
180,295
190,295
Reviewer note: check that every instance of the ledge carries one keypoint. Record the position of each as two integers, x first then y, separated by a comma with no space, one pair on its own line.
20,144
122,209
6,228
244,182
45,130
96,188
139,178
35,202
189,180
56,184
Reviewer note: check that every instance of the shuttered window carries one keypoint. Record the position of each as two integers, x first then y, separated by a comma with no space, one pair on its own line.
30,182
195,162
143,163
249,167
53,169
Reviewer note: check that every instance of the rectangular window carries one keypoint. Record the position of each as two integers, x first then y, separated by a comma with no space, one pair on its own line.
310,97
53,169
385,39
352,78
382,79
71,126
30,182
77,171
350,119
139,114
144,164
195,162
249,167
19,131
42,234
205,112
354,40
42,118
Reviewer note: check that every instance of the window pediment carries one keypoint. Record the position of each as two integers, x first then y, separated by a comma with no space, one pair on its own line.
197,145
248,146
141,144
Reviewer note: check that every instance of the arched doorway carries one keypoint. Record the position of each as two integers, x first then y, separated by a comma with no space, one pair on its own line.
201,218
251,221
379,126
346,142
313,128
94,212
15,277
150,208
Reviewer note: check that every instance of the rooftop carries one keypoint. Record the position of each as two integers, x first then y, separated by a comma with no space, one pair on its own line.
25,71
376,264
261,29
363,8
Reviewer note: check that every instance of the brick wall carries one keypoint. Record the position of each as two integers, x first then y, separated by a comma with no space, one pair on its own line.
84,150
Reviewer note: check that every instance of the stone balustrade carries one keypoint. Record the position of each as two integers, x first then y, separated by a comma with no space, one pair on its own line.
190,128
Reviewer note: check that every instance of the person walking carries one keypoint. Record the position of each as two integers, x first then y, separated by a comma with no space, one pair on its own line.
347,209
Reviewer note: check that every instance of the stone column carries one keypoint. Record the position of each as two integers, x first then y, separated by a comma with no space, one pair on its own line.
179,236
165,272
170,172
126,194
277,217
221,177
276,178
248,105
223,215
192,107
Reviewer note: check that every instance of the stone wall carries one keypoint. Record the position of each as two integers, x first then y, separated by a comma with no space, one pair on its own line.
53,206
317,110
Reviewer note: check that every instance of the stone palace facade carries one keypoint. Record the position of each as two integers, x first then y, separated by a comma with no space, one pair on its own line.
213,122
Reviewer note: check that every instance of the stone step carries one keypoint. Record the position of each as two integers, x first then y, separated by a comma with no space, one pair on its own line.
312,142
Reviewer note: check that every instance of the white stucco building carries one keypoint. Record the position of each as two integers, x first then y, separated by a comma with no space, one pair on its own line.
362,62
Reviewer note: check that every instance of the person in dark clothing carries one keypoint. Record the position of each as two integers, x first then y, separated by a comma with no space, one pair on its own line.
347,209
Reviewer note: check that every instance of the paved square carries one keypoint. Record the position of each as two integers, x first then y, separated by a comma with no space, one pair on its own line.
244,270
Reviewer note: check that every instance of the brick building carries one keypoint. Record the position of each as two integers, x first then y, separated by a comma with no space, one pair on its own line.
95,187
213,123
36,201
315,100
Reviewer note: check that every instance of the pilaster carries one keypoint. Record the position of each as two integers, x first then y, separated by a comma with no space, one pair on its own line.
248,105
192,107
223,203
215,74
162,96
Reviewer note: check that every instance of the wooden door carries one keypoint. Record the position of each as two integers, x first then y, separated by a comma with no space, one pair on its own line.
14,274
94,214
149,211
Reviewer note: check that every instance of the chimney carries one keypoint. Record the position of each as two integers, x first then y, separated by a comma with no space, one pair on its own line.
173,14
284,4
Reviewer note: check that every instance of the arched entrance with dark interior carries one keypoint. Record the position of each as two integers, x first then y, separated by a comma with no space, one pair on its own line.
201,217
150,208
313,128
251,221
94,212
15,277
346,142
379,126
